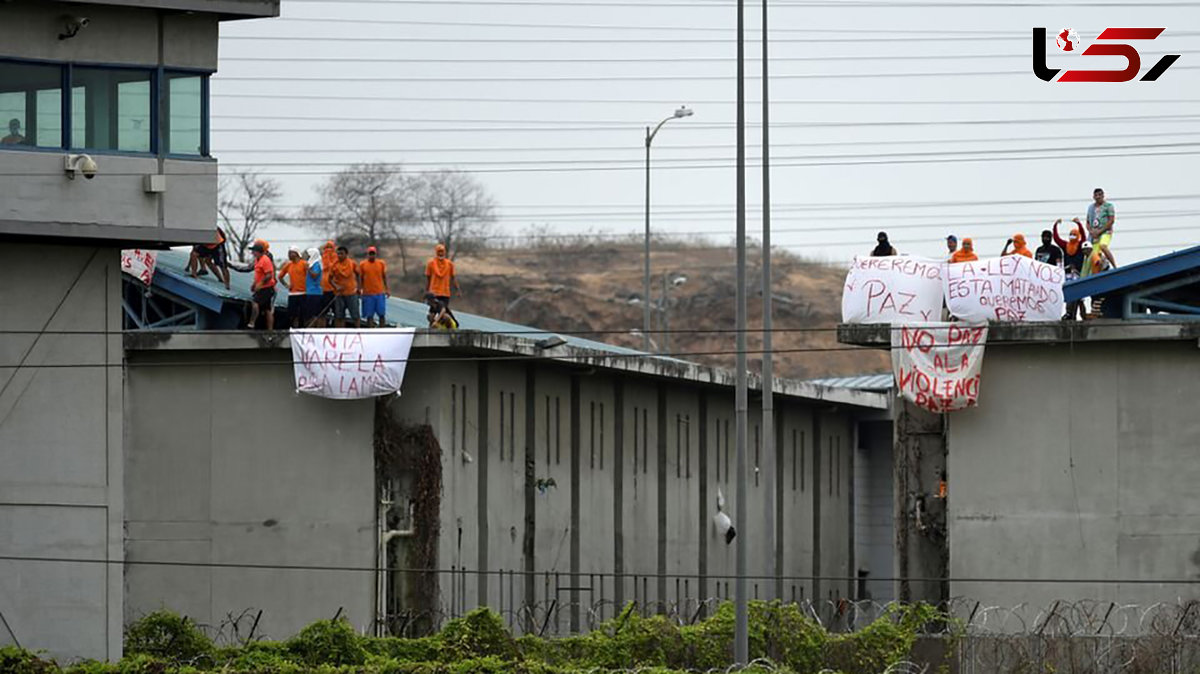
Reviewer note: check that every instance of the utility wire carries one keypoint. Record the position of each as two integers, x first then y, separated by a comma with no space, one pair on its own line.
622,101
514,572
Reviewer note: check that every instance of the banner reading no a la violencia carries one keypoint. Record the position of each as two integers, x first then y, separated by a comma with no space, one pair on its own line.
938,366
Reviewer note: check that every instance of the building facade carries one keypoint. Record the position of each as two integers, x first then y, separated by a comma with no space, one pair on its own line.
103,146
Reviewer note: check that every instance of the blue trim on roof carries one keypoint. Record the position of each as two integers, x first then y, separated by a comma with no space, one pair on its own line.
1125,278
187,289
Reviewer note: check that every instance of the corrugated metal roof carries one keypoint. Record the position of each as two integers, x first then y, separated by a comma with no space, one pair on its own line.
1124,278
404,313
862,382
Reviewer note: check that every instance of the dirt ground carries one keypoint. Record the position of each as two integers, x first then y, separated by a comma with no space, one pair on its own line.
597,287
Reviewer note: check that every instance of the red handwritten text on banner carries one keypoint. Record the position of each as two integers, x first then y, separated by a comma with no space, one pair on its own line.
938,366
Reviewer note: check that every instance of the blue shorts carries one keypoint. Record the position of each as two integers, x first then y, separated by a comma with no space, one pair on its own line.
374,305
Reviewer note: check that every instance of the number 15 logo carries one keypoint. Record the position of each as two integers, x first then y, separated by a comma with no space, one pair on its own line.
1132,58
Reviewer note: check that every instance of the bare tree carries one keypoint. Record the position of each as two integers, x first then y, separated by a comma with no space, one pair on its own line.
365,201
453,208
246,201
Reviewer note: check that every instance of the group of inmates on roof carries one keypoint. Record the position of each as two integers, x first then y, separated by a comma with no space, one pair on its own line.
1085,251
325,286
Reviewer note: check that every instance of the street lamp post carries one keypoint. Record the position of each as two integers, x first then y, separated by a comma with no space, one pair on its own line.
683,111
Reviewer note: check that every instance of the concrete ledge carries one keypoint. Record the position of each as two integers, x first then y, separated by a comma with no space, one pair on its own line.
470,343
1101,330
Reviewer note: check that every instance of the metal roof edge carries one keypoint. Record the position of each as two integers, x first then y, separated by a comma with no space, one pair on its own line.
521,349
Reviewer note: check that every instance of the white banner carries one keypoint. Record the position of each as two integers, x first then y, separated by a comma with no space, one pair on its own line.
938,365
1010,288
350,364
893,290
139,264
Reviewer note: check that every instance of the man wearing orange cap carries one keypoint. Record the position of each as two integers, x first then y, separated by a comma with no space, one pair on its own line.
439,275
1019,247
375,289
263,287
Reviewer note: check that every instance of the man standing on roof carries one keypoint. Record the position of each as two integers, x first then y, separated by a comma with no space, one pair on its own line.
263,287
314,316
1019,247
1074,255
294,274
212,256
884,248
375,289
439,275
1100,218
966,253
1048,252
328,258
343,276
951,246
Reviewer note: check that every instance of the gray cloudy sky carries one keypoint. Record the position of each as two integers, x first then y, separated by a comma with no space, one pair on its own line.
876,108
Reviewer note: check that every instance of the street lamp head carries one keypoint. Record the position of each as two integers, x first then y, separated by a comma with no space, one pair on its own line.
684,111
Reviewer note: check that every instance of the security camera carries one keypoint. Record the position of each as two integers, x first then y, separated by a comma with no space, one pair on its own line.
72,25
81,163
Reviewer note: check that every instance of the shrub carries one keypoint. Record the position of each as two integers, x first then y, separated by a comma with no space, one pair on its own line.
327,642
169,636
479,634
15,660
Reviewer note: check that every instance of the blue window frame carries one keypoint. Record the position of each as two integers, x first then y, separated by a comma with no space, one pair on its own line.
109,108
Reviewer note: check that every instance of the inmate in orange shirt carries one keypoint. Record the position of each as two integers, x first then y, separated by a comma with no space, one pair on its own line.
342,273
439,270
328,258
373,274
297,273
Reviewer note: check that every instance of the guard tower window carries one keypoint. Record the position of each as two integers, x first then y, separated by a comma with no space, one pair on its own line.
111,107
185,96
30,105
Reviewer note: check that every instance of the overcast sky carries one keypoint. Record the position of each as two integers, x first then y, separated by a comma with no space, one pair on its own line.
878,108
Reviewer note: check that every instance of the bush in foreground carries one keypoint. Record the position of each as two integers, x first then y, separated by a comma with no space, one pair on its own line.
480,643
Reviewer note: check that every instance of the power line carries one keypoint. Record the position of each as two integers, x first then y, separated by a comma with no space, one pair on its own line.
703,146
677,59
601,125
1139,149
649,101
513,572
782,4
615,78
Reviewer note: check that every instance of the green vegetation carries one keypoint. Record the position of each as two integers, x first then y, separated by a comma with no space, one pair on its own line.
782,640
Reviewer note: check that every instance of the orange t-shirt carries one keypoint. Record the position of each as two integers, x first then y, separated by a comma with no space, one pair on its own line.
297,275
264,273
373,274
439,270
328,258
342,272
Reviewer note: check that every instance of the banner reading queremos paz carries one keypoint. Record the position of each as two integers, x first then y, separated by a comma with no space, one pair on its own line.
350,364
938,365
892,290
1010,288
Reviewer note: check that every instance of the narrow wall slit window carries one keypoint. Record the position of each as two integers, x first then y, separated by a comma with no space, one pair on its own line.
601,436
463,429
645,443
557,430
453,417
502,421
592,433
757,453
678,445
547,431
635,440
30,105
687,445
512,437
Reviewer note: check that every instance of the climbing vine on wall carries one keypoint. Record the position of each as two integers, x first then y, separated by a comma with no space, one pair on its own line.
413,450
